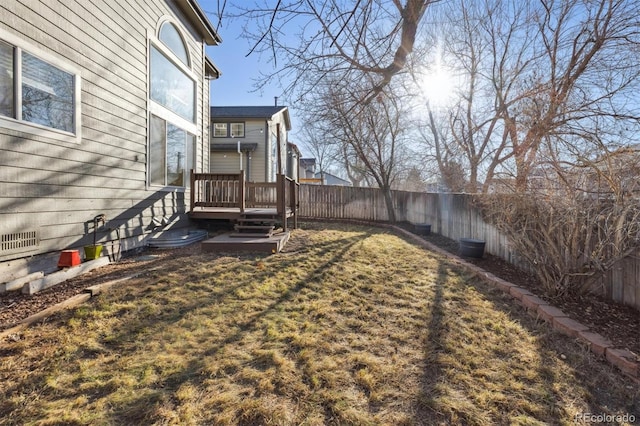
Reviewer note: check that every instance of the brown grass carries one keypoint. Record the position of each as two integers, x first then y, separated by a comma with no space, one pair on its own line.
351,325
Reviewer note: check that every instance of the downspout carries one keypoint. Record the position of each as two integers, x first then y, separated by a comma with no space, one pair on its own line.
267,150
279,148
204,80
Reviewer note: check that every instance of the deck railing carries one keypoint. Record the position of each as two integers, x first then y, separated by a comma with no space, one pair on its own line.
231,190
288,201
261,194
217,190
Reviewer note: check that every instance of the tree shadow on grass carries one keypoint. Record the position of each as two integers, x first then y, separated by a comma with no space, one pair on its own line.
144,405
535,376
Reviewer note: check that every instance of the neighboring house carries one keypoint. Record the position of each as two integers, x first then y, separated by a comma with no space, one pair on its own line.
329,179
615,173
104,108
307,171
250,138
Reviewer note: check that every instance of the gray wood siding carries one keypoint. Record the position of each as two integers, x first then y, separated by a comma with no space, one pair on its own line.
225,162
55,187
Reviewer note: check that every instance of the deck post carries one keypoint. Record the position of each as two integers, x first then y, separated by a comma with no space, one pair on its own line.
192,192
241,192
281,201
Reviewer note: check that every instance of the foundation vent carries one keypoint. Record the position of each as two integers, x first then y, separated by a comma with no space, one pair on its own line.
18,241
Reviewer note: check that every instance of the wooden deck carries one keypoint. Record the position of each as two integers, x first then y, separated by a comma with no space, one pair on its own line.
229,196
256,207
233,213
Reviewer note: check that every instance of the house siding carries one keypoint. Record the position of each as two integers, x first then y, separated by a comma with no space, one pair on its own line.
262,168
231,163
54,186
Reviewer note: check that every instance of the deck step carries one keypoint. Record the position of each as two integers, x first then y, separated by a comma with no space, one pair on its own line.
251,235
223,243
244,220
260,228
249,227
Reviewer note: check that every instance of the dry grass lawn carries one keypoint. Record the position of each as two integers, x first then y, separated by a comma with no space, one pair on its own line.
351,326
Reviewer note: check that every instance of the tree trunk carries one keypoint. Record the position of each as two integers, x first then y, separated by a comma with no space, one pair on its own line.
388,200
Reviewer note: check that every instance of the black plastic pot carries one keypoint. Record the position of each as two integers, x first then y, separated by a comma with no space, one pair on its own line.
423,228
470,247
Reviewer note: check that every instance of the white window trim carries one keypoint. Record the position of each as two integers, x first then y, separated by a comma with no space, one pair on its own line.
167,19
163,112
244,129
34,128
226,130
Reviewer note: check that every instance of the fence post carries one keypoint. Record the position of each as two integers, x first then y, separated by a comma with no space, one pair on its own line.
295,187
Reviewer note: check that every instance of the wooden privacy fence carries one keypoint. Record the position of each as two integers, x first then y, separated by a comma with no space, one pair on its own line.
452,216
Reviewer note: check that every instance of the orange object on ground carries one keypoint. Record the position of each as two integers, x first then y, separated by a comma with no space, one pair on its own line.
69,258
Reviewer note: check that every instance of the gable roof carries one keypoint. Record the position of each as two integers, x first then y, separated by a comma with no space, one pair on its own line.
199,19
337,180
266,112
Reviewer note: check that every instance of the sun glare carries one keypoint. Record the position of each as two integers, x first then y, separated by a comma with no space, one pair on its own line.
437,86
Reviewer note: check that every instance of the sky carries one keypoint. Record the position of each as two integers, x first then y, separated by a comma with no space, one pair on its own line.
235,87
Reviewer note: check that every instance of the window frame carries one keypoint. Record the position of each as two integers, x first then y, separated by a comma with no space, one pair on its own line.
226,130
164,113
168,22
18,124
231,134
229,129
190,154
170,56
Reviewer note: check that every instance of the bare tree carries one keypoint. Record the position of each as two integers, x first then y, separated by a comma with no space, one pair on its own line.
445,153
316,142
309,40
371,136
540,81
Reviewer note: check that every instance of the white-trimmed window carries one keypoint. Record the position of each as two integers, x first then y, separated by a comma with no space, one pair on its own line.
171,153
228,130
172,106
220,130
38,93
237,130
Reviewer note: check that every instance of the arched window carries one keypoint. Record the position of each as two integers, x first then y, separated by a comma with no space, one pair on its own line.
172,109
170,36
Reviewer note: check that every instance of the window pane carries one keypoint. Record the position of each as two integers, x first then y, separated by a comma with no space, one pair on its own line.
176,155
220,130
170,36
157,157
47,94
171,87
237,130
6,80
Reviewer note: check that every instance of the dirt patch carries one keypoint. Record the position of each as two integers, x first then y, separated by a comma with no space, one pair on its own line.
15,306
